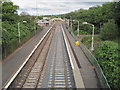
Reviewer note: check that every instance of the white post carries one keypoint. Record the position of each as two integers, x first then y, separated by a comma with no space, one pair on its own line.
68,22
71,22
92,47
19,32
35,25
78,28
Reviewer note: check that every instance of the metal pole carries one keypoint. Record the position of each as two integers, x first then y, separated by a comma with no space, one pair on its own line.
19,32
71,22
34,27
92,47
68,22
78,28
36,17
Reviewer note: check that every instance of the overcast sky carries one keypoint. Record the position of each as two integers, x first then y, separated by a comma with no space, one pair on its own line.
49,7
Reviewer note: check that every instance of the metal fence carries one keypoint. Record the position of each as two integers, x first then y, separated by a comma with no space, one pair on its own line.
92,59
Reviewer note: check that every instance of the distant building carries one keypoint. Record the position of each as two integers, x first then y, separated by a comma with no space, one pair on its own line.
56,19
43,22
46,18
47,21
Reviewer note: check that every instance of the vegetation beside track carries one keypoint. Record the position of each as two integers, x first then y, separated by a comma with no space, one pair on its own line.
10,35
106,19
107,54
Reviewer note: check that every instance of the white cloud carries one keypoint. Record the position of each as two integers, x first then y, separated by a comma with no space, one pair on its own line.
45,7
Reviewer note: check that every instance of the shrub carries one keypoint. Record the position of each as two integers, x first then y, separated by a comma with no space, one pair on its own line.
88,39
83,32
107,56
109,31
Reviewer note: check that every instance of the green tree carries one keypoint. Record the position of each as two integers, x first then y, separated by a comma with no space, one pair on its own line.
108,58
9,11
116,13
10,22
24,13
109,31
40,17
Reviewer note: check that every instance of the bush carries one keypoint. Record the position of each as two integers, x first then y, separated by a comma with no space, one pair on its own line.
81,32
88,39
107,56
10,35
109,31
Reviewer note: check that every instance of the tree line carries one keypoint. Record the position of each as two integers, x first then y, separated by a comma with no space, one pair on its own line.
106,19
100,16
10,34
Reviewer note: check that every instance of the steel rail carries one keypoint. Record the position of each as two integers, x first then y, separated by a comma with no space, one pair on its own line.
54,64
65,69
76,72
38,67
8,83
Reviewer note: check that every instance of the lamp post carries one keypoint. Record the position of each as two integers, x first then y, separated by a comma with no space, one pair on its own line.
68,22
71,22
78,26
92,47
35,26
19,34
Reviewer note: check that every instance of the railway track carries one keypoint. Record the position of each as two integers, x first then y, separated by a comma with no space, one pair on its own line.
58,73
48,66
32,65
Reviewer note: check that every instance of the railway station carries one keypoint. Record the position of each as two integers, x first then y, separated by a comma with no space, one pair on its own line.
56,61
59,44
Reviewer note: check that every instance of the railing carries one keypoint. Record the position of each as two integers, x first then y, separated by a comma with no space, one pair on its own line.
92,59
